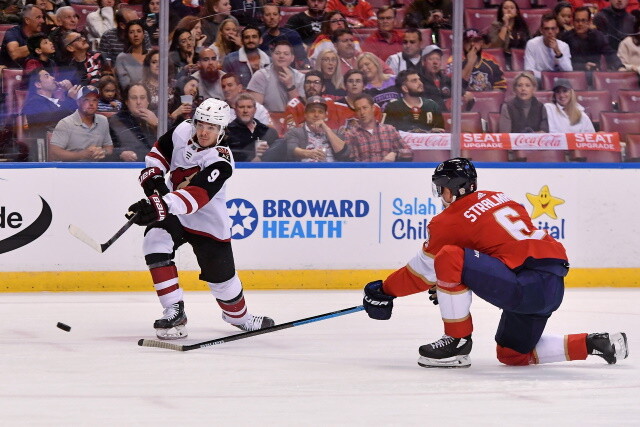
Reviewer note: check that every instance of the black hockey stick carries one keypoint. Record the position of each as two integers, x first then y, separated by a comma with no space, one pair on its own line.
178,347
84,237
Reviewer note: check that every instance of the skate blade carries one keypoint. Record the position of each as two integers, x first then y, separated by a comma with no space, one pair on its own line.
450,362
175,333
619,341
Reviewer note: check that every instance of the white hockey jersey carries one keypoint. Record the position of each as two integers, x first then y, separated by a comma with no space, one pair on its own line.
198,179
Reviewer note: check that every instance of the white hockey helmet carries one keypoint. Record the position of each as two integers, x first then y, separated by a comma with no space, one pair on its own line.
215,112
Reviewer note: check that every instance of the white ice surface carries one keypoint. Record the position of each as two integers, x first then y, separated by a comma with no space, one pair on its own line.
348,370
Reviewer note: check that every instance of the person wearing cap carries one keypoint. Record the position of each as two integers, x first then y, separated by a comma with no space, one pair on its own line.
84,135
386,40
480,70
294,114
564,114
546,52
314,140
413,113
409,57
245,130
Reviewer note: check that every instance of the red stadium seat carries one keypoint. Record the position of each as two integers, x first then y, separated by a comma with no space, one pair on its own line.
376,4
82,10
498,54
554,156
400,15
11,80
436,156
446,38
474,4
623,123
544,96
480,19
614,81
517,59
594,103
522,4
629,100
633,148
427,36
446,53
578,79
470,122
494,122
20,97
597,156
488,102
533,17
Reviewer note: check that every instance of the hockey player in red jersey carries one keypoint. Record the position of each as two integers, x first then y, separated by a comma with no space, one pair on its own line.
192,209
485,243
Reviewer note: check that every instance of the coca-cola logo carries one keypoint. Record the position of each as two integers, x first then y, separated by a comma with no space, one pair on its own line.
539,140
429,140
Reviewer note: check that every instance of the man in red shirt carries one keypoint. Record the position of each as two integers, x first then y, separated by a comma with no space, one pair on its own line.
386,40
485,243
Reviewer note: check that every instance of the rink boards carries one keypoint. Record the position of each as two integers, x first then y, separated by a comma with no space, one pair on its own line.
300,226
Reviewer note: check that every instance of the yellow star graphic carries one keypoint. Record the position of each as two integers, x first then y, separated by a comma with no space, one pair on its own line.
544,203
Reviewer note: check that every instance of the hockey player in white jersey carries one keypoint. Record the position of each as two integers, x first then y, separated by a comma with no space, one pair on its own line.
192,209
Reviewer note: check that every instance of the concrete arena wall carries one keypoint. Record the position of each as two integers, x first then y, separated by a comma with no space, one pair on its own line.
304,227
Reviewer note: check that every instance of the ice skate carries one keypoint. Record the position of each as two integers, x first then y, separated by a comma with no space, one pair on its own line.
611,347
447,352
171,326
253,323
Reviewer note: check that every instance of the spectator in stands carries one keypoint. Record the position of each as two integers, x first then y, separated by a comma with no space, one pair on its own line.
344,41
386,40
14,50
247,12
588,45
510,31
434,14
9,12
564,114
151,20
480,71
84,135
227,40
409,57
48,8
232,88
185,100
100,21
183,58
344,108
333,21
249,58
67,20
546,52
314,140
313,86
134,128
629,49
524,113
209,74
41,51
113,41
369,140
150,76
437,84
212,14
563,11
245,129
194,25
309,22
109,101
278,83
358,13
41,110
84,67
381,86
129,63
272,32
328,65
413,113
615,22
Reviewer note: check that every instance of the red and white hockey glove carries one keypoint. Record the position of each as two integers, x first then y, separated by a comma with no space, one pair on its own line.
152,181
148,211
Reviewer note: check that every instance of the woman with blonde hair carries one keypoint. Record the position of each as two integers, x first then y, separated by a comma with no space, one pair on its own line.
381,86
564,114
524,113
227,39
328,65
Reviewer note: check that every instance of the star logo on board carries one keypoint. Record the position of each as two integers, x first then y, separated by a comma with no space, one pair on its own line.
244,218
544,203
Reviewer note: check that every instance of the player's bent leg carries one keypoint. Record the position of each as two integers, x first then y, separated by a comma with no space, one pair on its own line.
513,358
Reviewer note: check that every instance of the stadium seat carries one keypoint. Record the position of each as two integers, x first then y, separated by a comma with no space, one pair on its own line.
498,54
494,122
480,19
533,17
400,15
517,59
474,4
614,81
11,80
82,10
623,123
470,122
633,148
376,4
597,156
427,36
522,4
594,102
436,156
446,53
629,100
578,79
486,155
446,38
544,96
20,96
488,102
554,156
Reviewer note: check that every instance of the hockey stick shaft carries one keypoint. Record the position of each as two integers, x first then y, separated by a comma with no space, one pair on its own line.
218,341
119,233
85,238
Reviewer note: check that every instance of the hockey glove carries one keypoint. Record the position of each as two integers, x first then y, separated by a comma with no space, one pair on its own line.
433,296
152,181
377,304
148,211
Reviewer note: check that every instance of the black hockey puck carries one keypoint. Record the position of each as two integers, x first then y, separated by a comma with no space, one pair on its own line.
63,326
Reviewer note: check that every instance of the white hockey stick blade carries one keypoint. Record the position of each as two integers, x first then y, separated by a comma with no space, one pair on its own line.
84,237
